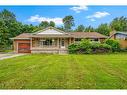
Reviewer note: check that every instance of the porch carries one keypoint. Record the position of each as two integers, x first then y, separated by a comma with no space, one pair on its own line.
50,45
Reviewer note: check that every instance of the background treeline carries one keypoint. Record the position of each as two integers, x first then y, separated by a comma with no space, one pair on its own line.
10,27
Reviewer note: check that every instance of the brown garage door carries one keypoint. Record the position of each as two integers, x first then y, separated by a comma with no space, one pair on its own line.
24,48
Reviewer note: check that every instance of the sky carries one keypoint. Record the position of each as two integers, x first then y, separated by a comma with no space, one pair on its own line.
86,15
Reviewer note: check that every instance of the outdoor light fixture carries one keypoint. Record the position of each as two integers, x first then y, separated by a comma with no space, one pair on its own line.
53,40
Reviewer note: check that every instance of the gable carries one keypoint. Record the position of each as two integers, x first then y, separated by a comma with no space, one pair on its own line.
50,30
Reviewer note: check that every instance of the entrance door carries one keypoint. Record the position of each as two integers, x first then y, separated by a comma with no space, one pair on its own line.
24,48
62,43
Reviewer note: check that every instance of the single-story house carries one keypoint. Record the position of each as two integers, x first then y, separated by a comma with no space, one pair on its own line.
51,40
121,37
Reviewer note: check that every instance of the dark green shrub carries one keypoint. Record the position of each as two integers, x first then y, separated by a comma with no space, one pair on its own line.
114,44
101,48
88,47
72,48
84,47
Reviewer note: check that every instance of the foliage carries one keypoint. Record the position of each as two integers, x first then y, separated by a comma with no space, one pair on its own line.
61,28
119,24
89,29
51,23
114,44
87,47
68,22
72,48
104,29
10,27
28,28
80,28
44,24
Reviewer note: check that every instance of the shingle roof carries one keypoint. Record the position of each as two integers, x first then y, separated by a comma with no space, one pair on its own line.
23,36
70,34
87,35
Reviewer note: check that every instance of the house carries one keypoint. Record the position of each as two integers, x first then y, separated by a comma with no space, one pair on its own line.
51,40
121,37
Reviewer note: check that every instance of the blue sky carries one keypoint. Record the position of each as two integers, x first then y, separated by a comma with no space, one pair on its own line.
86,15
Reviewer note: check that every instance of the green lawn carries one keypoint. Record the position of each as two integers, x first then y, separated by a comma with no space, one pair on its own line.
43,71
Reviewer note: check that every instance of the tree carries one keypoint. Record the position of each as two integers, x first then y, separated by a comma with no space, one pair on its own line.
6,15
68,22
9,27
61,28
104,29
80,28
119,24
44,24
51,23
89,29
28,28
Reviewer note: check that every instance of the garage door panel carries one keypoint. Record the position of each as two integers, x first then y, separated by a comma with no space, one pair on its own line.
24,48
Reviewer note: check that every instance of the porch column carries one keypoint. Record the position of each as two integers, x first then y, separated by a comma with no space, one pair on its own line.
58,43
73,40
69,41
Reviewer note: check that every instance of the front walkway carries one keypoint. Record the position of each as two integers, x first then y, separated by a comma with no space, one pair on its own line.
9,55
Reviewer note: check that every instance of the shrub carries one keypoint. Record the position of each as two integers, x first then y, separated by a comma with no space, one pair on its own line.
101,48
84,47
114,44
73,48
87,47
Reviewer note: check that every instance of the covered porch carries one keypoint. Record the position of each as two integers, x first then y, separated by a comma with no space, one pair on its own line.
50,45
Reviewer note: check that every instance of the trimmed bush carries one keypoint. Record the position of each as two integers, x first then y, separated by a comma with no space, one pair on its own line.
73,48
89,47
101,48
84,47
114,44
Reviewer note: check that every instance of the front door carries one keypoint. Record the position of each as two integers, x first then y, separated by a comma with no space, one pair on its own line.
62,43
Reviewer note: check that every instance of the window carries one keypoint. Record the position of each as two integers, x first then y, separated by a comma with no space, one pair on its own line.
77,39
47,42
94,39
62,42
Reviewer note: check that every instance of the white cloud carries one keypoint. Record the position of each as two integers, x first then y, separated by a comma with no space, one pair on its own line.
98,15
78,9
37,18
92,19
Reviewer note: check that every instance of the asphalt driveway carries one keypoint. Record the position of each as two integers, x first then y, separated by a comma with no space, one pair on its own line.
9,55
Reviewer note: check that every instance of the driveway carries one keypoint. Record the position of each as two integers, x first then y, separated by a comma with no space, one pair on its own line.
9,55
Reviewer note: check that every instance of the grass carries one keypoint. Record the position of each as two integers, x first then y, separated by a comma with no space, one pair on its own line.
43,71
6,51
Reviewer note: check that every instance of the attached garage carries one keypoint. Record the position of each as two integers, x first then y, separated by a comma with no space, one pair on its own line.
22,46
